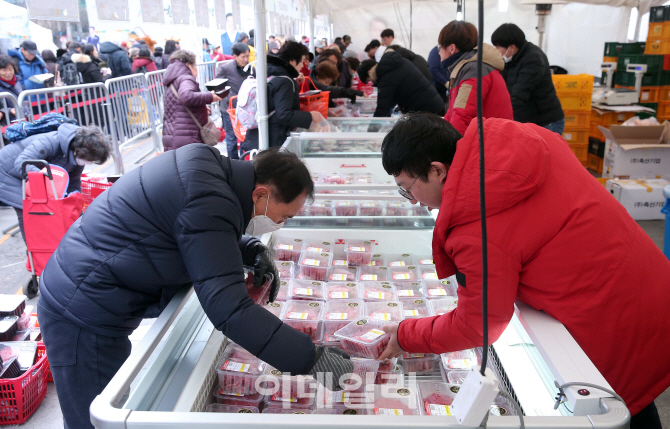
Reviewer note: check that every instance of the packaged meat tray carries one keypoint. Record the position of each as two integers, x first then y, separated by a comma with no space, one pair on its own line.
363,178
371,208
288,249
340,259
274,410
399,260
24,351
404,274
238,371
365,371
409,289
364,338
12,305
397,208
284,390
305,316
464,359
337,179
260,294
355,398
390,372
385,311
424,364
378,291
319,246
439,288
275,308
359,252
219,408
338,314
343,411
443,305
282,293
314,265
373,274
437,397
285,269
10,368
428,272
401,402
27,320
322,208
251,400
306,289
8,327
346,208
501,407
457,376
423,260
342,274
377,260
416,308
342,290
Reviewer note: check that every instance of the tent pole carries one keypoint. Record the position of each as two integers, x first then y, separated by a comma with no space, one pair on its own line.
310,6
261,74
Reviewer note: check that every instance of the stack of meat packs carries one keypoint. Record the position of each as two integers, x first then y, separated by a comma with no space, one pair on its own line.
18,336
342,296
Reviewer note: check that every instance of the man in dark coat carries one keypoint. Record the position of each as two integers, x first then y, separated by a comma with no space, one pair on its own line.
419,62
439,77
236,71
175,222
400,83
528,79
117,59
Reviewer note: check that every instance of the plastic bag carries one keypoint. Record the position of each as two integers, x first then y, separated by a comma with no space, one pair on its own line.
635,121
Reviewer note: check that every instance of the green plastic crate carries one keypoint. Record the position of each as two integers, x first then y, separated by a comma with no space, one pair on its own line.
628,79
645,115
659,14
654,62
614,49
665,77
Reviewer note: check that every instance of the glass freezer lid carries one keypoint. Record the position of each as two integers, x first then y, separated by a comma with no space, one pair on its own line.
358,145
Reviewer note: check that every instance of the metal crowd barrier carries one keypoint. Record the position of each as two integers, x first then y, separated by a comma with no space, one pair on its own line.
9,112
206,72
156,95
88,104
133,109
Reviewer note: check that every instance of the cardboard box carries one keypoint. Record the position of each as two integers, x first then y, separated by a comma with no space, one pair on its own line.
637,152
643,199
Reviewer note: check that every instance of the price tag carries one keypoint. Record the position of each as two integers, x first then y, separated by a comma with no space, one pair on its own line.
339,396
343,203
438,410
336,316
426,262
284,399
316,249
300,316
356,249
459,363
374,295
340,262
372,335
235,366
388,412
369,277
285,247
401,276
339,295
382,316
430,276
303,291
312,262
411,313
338,277
397,264
437,292
405,293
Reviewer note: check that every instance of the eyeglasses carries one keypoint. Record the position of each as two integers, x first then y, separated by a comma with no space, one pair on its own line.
405,192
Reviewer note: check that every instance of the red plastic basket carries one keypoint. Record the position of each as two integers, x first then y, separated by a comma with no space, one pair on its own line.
20,397
91,188
315,102
240,131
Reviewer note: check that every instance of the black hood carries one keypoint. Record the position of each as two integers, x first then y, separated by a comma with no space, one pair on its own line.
279,67
108,47
390,61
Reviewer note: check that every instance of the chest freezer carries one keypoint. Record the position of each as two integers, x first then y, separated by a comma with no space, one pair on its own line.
364,125
168,379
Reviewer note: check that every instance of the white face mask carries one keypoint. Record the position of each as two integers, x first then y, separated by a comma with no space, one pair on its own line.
259,225
506,58
83,161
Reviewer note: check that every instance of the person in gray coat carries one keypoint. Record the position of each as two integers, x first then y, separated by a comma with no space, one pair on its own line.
70,147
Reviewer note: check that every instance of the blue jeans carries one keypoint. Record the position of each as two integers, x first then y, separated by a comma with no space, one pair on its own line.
82,363
557,126
231,139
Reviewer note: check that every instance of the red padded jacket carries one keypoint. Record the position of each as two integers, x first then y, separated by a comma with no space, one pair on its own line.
560,243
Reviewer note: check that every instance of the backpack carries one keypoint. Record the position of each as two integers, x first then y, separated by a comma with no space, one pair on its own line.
142,70
246,112
69,74
45,124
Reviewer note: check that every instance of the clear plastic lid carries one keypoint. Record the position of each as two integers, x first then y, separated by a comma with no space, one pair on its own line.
346,208
274,410
238,370
322,208
358,252
12,305
342,274
464,359
340,258
343,411
457,376
373,274
342,290
440,288
306,289
371,208
408,273
337,178
377,260
220,408
410,289
251,400
416,308
428,272
285,269
424,364
288,249
282,293
8,325
437,397
390,372
343,310
401,401
443,305
260,294
423,260
363,338
385,311
275,307
394,208
305,316
399,260
378,291
314,265
289,391
320,246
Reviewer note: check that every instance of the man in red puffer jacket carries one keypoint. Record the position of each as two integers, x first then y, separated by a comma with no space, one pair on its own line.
556,240
458,53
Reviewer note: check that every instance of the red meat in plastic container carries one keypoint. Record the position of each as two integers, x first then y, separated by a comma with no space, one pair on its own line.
321,209
219,408
464,359
422,260
306,289
275,308
337,179
428,363
377,260
288,249
437,397
371,208
261,294
342,274
359,252
238,370
373,274
410,289
397,209
404,274
296,390
440,288
416,308
314,265
385,311
339,313
342,290
319,246
390,372
364,338
252,400
444,305
399,260
428,272
285,269
400,401
378,291
282,293
305,316
346,208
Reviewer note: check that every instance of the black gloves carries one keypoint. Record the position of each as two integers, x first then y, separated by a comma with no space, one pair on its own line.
330,365
256,254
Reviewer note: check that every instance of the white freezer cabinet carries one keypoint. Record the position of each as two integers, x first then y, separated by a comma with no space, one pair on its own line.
168,379
364,125
367,105
307,144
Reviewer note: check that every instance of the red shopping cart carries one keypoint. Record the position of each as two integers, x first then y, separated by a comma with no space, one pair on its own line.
47,215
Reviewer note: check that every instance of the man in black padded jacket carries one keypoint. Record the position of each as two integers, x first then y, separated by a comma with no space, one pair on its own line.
178,220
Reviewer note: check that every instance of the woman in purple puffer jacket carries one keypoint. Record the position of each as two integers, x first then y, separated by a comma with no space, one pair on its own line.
179,128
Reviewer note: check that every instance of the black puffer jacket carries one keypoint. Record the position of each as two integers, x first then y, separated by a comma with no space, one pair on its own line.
419,62
89,69
401,83
176,220
117,59
530,87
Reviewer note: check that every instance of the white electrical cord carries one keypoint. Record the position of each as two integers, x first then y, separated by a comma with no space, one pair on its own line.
516,405
562,396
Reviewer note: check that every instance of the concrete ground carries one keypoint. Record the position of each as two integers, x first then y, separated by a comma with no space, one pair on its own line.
13,276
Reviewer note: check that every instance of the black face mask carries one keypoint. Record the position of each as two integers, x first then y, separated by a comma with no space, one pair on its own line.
452,60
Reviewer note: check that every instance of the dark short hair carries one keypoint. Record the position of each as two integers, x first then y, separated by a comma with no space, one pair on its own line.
292,50
144,52
242,36
88,49
228,14
91,144
285,172
387,33
354,62
239,48
170,47
74,45
373,44
337,39
6,60
459,33
328,52
508,34
364,70
415,141
326,70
